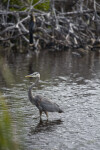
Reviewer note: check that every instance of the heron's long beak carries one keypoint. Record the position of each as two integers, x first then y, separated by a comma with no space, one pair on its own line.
28,76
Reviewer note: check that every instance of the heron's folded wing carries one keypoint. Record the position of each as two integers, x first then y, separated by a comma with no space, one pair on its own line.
49,106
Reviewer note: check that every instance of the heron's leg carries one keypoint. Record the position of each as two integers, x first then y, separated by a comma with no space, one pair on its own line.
46,114
40,114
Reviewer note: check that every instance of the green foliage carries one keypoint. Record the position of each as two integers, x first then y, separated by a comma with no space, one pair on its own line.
6,131
12,2
43,6
6,72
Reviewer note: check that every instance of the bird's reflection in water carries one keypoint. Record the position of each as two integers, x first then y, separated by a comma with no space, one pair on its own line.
45,126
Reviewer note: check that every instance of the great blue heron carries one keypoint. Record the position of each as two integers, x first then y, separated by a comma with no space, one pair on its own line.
43,104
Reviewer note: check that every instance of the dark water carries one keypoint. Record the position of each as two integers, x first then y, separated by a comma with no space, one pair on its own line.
70,81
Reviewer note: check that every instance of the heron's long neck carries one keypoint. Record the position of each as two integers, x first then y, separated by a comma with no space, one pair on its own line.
31,97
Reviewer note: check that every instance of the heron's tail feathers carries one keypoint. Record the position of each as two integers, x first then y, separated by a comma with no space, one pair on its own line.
60,111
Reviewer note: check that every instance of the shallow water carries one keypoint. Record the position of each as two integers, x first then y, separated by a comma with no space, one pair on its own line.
70,81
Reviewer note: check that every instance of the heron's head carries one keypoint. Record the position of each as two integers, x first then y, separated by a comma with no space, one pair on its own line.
33,75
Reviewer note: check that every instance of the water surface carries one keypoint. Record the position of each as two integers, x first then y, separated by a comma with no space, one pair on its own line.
70,81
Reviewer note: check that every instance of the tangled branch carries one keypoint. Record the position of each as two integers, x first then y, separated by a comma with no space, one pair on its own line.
78,27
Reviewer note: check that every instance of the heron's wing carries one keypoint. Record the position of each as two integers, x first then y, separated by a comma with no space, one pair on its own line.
44,104
49,106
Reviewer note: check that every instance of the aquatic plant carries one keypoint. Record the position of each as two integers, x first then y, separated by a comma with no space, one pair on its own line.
7,137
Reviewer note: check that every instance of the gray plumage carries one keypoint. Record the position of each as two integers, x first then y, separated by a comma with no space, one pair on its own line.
43,104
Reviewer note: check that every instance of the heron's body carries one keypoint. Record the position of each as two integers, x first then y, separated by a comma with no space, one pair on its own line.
43,104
